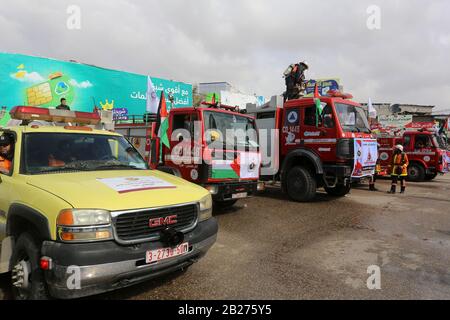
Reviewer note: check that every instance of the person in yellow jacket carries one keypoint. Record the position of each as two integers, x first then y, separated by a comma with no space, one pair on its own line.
399,167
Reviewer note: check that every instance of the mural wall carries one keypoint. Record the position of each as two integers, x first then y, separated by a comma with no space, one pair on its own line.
33,81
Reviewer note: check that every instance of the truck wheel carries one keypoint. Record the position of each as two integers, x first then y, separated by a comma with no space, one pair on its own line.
416,172
339,191
301,185
27,278
224,204
430,177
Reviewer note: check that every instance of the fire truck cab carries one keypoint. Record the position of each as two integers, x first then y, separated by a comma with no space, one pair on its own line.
427,156
214,147
308,149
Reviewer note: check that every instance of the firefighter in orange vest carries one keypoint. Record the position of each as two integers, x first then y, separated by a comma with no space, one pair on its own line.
399,168
6,153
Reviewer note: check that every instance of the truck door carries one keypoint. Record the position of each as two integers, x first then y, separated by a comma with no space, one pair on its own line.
318,131
6,192
291,137
407,143
184,144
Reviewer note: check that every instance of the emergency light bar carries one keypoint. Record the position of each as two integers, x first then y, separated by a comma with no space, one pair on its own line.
338,94
220,106
54,115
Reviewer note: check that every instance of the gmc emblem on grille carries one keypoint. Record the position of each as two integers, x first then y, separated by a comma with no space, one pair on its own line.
158,222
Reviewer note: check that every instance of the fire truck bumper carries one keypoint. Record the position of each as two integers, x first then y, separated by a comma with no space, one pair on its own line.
233,190
340,171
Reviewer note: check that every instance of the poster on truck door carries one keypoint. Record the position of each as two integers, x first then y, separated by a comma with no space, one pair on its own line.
366,155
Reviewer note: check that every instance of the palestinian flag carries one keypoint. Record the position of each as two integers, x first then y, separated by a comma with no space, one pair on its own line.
319,106
245,166
225,169
162,122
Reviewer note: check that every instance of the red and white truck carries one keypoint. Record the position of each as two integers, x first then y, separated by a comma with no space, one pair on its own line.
305,148
427,155
214,147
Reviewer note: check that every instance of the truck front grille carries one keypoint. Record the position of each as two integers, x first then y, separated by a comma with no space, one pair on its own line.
135,226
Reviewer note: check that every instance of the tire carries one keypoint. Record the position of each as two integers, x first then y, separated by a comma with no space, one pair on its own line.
27,251
300,184
339,191
225,204
416,172
430,177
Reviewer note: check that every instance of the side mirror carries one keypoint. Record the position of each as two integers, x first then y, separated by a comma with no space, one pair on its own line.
214,135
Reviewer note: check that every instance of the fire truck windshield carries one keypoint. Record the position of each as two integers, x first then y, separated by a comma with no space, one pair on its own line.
233,129
352,118
439,142
59,152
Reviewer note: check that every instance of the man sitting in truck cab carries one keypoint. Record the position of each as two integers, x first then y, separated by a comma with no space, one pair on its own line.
6,153
420,144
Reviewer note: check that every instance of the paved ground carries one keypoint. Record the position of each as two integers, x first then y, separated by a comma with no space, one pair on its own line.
271,248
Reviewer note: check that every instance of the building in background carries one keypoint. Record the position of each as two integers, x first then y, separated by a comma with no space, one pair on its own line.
419,113
206,88
226,94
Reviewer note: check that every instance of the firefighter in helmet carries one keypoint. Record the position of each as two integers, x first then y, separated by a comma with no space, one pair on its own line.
295,80
399,167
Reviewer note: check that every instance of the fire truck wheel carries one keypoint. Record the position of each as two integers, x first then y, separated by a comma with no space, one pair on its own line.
430,177
301,185
28,281
416,172
338,191
224,204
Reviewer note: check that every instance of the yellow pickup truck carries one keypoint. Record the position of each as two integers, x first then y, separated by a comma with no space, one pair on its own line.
81,214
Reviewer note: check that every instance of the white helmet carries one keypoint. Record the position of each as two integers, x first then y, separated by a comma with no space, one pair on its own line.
399,147
305,64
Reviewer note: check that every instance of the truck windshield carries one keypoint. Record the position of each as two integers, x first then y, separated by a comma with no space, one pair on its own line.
440,142
59,152
234,130
352,118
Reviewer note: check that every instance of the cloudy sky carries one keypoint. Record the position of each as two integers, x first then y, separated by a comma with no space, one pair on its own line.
249,43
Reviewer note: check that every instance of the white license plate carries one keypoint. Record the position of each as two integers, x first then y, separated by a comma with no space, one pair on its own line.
166,253
239,195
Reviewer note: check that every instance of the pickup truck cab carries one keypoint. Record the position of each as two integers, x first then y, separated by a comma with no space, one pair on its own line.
81,213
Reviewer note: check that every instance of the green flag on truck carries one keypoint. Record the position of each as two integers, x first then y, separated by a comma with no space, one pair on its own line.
319,109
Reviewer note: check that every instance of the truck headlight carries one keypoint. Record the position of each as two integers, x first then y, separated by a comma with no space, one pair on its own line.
84,225
205,208
213,189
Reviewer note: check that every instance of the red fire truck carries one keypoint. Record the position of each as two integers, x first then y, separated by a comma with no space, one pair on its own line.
426,152
215,147
308,149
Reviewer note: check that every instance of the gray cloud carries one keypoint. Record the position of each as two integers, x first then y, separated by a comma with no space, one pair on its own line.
249,42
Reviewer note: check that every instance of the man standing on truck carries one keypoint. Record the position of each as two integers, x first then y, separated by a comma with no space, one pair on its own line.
6,154
295,80
399,167
63,105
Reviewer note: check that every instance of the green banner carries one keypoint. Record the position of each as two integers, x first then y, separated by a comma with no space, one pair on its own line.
33,81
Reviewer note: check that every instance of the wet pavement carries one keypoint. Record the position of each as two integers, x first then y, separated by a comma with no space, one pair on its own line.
269,247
